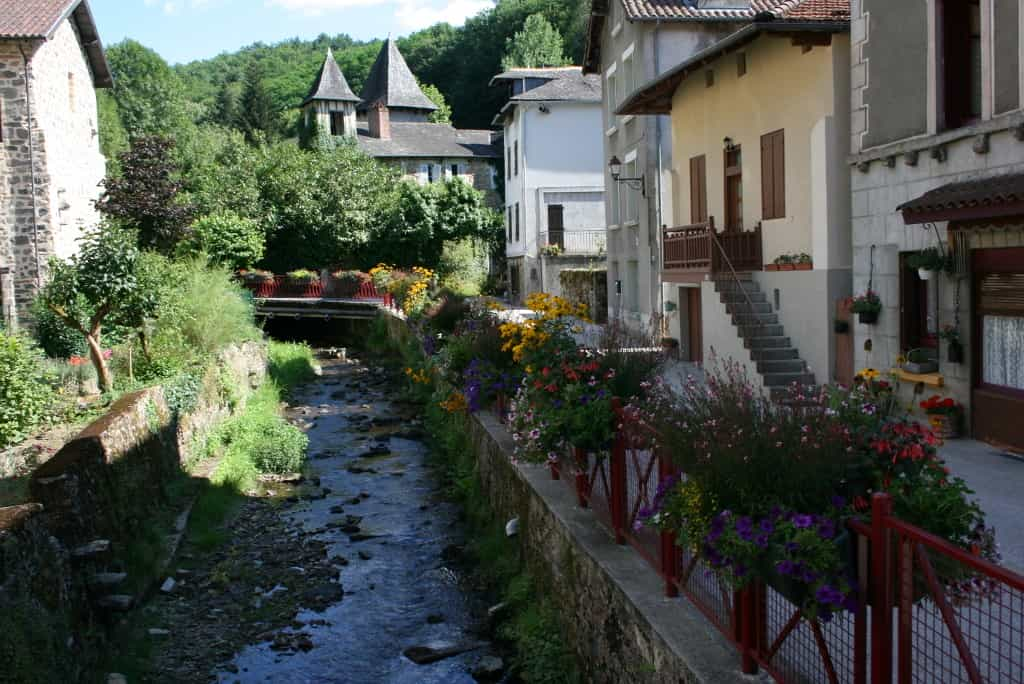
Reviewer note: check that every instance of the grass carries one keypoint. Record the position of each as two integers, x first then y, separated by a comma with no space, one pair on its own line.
291,363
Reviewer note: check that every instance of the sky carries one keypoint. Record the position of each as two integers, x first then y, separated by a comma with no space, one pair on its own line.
185,30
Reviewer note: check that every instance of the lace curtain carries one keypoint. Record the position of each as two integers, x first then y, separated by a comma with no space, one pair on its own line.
1003,351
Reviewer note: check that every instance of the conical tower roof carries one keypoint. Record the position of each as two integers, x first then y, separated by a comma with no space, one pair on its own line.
330,83
392,83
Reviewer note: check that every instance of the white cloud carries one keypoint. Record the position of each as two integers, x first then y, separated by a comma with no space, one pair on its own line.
413,15
314,7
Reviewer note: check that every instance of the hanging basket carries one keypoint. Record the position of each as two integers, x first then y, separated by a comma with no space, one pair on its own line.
868,317
925,274
955,352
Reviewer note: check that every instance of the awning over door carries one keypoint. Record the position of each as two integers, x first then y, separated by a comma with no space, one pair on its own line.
968,200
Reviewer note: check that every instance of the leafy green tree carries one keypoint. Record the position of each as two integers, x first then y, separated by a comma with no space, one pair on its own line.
539,44
145,196
227,238
217,169
113,136
257,114
150,98
100,282
443,113
23,386
227,109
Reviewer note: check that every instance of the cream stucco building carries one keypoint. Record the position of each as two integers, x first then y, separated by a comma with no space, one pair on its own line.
51,61
759,125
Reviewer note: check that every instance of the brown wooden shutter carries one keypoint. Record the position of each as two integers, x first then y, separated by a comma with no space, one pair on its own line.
1002,294
773,175
698,190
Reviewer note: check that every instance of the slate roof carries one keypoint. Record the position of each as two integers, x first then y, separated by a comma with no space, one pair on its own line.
569,86
533,72
689,10
39,19
430,140
330,83
989,194
392,82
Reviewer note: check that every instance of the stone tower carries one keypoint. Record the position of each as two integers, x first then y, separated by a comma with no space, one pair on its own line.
393,85
331,101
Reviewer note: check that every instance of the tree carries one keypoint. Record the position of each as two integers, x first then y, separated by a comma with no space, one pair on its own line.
538,44
227,238
150,98
100,282
257,115
145,196
443,113
113,136
226,110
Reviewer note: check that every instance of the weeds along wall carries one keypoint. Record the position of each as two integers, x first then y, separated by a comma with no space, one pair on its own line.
93,507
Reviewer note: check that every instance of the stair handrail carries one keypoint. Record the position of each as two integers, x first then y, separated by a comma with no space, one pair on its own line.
735,276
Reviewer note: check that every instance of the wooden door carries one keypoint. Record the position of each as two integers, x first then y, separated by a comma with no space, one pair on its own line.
844,342
734,189
556,225
694,336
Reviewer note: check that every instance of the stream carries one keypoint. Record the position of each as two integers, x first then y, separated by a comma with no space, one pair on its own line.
336,578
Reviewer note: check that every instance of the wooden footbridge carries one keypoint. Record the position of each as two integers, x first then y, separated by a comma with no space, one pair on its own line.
283,300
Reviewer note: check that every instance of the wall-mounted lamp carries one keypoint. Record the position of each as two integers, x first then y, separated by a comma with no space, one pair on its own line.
727,143
544,109
638,183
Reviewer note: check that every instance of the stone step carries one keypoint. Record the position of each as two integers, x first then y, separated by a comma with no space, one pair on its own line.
93,549
744,307
748,319
732,286
766,342
107,580
118,603
773,354
770,330
784,379
755,297
781,366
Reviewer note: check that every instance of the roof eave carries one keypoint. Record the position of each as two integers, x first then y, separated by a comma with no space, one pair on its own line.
650,97
90,37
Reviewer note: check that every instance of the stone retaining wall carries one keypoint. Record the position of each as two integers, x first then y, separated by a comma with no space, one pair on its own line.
614,614
107,484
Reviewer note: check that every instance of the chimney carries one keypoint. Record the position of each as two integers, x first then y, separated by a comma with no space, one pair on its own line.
379,121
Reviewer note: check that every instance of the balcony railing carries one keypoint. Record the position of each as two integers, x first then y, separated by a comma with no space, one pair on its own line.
558,242
692,250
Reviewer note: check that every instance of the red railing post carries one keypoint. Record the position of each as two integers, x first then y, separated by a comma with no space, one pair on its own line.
582,481
617,504
667,549
747,628
881,590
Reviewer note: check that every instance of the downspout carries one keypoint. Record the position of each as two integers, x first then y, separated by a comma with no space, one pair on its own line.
32,165
658,208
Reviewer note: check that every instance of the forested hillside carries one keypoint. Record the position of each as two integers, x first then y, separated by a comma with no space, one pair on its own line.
458,61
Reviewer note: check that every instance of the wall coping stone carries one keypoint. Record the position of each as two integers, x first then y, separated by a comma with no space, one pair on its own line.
675,626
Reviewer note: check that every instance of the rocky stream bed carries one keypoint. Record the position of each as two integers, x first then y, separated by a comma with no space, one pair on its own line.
350,574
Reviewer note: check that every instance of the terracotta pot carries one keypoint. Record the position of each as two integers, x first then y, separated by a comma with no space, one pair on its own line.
802,267
771,267
945,425
786,267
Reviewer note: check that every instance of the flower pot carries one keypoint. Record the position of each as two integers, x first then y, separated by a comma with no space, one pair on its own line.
920,367
771,267
797,592
945,425
787,267
868,317
841,327
955,352
803,267
924,274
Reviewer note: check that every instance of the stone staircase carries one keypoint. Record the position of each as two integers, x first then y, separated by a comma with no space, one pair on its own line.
777,361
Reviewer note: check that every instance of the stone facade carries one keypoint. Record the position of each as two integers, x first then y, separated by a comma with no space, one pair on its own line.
50,161
898,154
480,173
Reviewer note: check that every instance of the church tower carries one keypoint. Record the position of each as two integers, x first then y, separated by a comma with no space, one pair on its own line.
331,103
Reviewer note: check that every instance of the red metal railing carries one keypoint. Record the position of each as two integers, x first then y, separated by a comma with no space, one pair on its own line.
928,611
690,249
285,287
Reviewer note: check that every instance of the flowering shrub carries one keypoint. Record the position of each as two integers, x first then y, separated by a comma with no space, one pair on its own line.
937,406
868,302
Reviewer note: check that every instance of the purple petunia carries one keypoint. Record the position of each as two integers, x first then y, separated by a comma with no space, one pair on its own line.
803,521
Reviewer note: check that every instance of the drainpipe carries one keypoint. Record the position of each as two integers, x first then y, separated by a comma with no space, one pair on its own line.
32,165
658,209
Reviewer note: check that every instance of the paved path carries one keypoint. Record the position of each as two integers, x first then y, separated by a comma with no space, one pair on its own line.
998,481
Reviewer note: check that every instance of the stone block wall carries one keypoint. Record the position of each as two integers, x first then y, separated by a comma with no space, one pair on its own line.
613,612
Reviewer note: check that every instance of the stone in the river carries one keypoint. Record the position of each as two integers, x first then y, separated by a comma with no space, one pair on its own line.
365,555
488,669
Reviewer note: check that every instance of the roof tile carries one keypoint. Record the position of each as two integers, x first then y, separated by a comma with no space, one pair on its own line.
392,82
689,10
330,83
32,18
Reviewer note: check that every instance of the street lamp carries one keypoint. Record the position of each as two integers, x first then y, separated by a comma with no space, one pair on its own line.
615,169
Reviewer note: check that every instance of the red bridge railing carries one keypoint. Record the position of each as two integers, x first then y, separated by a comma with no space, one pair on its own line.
928,611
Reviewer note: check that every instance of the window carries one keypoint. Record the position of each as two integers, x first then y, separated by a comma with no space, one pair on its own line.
629,204
628,82
961,61
734,188
455,171
709,78
1001,309
509,224
773,175
517,221
612,95
508,162
515,157
633,285
432,173
698,190
337,123
918,324
71,92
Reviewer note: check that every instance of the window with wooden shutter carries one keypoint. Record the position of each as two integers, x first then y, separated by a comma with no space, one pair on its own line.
773,175
698,190
556,225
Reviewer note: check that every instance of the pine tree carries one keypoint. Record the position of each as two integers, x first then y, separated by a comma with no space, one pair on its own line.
257,118
538,44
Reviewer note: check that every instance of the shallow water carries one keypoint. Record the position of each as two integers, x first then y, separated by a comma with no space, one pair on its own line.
389,596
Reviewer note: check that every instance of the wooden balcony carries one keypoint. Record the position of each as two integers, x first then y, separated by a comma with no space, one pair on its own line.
691,252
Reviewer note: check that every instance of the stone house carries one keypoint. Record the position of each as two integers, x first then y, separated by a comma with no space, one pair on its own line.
938,162
764,255
390,121
554,177
51,60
